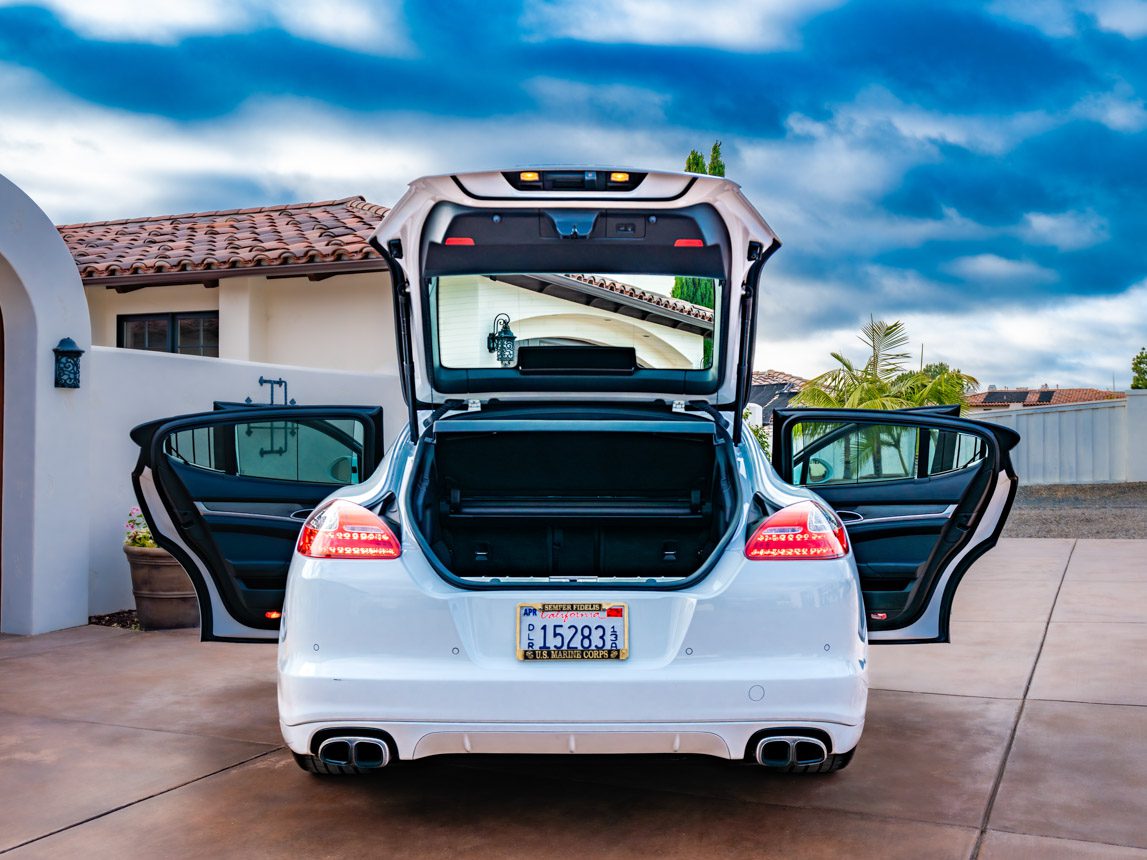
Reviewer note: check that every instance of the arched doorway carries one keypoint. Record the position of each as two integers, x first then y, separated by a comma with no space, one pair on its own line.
44,512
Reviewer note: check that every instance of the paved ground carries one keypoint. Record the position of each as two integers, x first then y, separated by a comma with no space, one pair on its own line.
1025,738
1079,511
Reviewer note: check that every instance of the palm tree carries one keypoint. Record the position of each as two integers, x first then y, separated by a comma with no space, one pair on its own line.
883,382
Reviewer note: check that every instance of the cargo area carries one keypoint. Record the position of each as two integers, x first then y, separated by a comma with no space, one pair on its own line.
647,503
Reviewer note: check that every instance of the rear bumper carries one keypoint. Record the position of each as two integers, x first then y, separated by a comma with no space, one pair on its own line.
727,740
688,706
389,646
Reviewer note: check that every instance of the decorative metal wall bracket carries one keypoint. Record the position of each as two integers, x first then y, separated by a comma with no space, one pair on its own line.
274,383
287,428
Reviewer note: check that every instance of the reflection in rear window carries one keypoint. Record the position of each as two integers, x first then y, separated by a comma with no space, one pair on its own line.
668,320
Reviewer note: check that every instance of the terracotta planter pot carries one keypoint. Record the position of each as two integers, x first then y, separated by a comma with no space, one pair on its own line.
164,596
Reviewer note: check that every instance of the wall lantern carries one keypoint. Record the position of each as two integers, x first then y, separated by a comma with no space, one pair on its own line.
501,340
67,363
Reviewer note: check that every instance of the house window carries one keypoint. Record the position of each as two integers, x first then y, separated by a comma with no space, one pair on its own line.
186,333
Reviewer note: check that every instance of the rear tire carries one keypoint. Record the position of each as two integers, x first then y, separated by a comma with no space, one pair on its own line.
835,762
314,764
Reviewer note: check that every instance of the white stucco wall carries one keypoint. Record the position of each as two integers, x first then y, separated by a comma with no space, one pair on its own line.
340,323
467,307
129,387
45,492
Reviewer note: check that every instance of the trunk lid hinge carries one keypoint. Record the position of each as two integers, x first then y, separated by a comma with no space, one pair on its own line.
447,406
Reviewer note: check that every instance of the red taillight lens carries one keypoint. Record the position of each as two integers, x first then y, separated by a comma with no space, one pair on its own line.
342,529
805,530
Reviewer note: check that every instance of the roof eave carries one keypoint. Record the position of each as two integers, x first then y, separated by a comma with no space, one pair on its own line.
142,280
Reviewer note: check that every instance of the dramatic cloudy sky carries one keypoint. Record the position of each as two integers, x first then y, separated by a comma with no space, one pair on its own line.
976,169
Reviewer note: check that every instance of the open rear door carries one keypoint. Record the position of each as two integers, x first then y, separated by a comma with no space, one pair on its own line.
922,493
227,493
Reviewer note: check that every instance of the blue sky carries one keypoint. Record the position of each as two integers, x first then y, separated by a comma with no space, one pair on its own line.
975,169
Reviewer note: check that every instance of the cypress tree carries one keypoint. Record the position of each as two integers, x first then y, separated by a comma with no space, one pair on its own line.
716,163
701,291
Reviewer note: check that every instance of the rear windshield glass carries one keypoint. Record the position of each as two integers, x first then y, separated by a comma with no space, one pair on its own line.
483,320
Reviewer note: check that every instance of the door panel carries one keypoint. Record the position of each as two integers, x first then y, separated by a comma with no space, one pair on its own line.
912,488
227,493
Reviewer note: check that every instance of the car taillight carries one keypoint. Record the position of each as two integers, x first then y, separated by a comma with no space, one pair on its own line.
342,529
805,530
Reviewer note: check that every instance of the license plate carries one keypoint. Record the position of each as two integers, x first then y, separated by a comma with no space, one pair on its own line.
573,631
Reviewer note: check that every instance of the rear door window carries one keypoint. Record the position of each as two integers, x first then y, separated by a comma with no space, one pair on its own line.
826,453
313,450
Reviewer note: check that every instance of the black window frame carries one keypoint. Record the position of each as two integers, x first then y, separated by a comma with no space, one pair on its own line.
172,319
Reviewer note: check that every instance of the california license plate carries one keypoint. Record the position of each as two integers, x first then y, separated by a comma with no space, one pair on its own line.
573,631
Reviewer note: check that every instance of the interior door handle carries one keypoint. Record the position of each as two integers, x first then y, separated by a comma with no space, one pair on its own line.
849,516
301,514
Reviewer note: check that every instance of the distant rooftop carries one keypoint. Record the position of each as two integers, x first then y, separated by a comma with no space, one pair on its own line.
1003,398
773,389
777,377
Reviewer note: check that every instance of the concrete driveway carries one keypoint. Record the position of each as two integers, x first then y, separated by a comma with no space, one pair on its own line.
1025,738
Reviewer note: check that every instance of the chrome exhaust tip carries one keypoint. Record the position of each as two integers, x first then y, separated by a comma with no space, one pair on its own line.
364,753
781,751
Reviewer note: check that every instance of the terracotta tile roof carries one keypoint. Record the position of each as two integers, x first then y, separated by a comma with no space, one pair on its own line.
1002,398
328,233
777,377
663,301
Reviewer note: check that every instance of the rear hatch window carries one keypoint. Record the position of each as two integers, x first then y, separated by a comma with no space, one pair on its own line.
566,300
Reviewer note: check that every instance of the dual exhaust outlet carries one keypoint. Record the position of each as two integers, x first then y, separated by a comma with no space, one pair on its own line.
364,753
782,751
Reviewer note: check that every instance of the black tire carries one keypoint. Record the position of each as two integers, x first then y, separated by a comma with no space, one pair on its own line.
835,762
314,764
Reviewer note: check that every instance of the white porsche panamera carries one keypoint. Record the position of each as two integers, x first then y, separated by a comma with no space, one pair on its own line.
574,546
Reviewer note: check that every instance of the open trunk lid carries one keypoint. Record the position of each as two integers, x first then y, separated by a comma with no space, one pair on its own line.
557,285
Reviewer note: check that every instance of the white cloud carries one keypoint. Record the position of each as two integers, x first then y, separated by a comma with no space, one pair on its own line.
601,101
1119,111
994,268
1066,342
735,25
1127,17
1060,18
1052,17
820,187
143,20
875,107
86,162
373,27
839,160
376,27
1067,231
